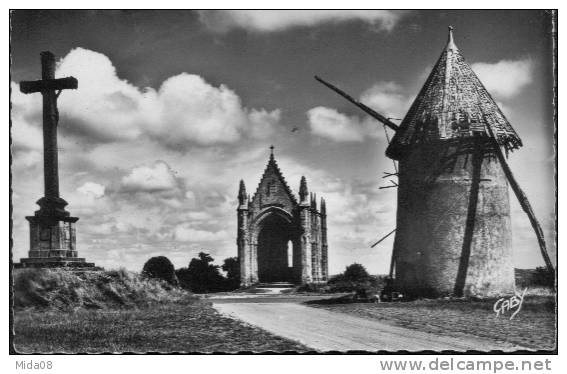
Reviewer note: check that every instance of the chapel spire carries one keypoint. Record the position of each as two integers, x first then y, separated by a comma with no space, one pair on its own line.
242,196
303,192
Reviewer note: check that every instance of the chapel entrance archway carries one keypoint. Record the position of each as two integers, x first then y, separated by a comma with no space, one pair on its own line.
275,241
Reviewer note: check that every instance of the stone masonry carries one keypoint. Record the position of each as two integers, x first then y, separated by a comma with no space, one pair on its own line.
453,233
281,238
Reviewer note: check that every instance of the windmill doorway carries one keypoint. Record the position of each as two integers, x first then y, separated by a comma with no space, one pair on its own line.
277,258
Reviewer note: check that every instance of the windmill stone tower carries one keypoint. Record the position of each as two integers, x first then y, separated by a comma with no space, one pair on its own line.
453,221
280,238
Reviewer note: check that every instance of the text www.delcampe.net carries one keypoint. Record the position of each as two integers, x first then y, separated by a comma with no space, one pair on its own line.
452,364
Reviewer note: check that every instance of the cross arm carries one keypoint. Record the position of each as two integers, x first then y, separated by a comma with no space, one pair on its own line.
49,85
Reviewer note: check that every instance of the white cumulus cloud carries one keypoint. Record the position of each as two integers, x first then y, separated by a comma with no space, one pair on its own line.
155,178
329,123
505,78
277,20
93,189
106,108
26,117
387,98
190,108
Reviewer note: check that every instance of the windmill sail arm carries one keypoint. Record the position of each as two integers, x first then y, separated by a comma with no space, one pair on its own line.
383,238
368,110
524,202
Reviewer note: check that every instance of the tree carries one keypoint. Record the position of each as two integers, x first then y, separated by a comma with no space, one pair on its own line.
160,268
201,275
232,267
356,272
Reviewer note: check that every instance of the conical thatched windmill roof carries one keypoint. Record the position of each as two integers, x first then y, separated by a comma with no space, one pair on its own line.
453,103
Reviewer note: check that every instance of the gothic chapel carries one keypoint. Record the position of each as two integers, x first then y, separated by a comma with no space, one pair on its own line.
281,239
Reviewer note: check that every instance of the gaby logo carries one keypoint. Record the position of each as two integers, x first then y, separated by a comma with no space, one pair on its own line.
503,305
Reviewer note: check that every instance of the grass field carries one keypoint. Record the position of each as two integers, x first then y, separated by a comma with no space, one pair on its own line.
120,311
166,328
533,327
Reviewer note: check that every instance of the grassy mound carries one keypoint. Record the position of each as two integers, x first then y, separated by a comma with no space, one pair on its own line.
64,289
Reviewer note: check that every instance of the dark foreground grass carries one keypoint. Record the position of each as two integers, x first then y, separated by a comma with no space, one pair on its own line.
57,310
196,327
534,327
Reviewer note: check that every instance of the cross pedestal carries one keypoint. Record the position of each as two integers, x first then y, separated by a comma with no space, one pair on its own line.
53,242
52,229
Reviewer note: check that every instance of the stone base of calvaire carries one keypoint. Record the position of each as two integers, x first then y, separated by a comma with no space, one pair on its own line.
55,262
52,243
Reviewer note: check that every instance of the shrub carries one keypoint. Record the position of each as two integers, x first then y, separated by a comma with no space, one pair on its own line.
355,278
543,277
534,278
314,287
160,268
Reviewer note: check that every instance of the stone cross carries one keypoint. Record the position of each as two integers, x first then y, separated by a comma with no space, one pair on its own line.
52,228
50,88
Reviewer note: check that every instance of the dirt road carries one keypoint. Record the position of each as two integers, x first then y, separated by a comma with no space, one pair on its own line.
323,330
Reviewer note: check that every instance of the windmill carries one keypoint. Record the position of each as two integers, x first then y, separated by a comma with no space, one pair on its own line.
453,230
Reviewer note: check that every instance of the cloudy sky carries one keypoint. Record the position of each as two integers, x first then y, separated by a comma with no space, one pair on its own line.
175,107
